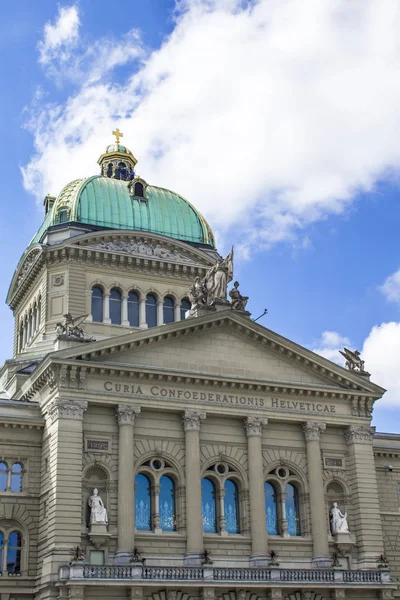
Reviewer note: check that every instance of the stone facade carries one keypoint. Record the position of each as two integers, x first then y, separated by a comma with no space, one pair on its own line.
213,400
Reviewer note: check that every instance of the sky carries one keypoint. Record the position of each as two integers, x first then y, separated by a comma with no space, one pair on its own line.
278,119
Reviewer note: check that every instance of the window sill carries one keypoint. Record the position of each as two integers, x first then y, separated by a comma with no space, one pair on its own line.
229,537
292,539
164,535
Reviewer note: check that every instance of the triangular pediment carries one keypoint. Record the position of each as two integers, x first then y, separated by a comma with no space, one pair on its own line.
223,345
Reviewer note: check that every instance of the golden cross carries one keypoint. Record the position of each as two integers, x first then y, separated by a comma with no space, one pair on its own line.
117,134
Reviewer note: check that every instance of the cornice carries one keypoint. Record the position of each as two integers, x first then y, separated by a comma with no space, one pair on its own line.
26,272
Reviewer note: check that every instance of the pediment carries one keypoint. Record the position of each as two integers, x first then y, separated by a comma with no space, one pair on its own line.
149,246
26,268
226,345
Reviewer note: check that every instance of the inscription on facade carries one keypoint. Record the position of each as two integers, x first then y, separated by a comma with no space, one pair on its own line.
158,391
333,463
97,445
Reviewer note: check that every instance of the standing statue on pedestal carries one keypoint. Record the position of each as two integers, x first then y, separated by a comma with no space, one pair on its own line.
98,512
217,278
338,520
238,302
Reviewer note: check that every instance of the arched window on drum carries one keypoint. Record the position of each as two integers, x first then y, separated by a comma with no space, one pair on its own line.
133,309
185,306
115,306
97,304
151,310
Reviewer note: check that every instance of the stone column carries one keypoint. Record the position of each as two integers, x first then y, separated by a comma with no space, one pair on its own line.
124,311
160,313
253,427
194,521
366,522
177,312
142,313
106,309
312,432
125,415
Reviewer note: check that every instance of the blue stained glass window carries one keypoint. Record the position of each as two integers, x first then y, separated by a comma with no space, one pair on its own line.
151,310
231,507
133,309
16,477
168,310
185,306
3,478
270,509
292,509
14,552
115,306
142,503
167,504
208,506
97,304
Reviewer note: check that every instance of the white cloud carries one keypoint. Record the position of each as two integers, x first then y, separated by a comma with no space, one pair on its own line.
329,345
60,38
381,353
267,117
391,287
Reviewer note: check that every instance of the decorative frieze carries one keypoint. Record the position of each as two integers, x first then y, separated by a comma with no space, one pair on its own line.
192,420
254,425
67,408
359,435
126,414
313,429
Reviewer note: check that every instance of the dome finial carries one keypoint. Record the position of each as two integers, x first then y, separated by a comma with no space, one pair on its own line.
118,135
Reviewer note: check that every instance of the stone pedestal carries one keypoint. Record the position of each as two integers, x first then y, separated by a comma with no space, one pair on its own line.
98,534
344,541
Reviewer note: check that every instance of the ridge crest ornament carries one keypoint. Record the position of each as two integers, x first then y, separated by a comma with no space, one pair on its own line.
354,361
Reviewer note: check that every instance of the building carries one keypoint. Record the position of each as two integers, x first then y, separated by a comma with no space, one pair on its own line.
179,450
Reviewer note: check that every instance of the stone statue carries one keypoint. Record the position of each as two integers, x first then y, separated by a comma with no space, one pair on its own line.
338,520
71,326
98,512
238,302
217,278
353,360
197,293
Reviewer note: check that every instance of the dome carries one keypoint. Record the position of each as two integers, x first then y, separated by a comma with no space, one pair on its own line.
117,148
103,202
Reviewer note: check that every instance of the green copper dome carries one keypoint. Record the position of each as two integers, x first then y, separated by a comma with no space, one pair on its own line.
112,204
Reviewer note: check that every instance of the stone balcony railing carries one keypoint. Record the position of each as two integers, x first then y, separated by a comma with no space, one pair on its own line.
208,574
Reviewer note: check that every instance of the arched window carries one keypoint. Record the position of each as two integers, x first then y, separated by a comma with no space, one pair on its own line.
97,304
292,509
3,478
14,552
39,315
1,550
208,503
142,503
167,504
63,216
115,307
151,310
133,309
139,190
168,309
271,509
110,170
231,506
21,337
185,306
16,477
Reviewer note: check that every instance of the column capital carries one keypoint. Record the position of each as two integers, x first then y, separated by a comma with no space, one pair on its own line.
125,414
192,419
313,429
67,408
254,425
359,435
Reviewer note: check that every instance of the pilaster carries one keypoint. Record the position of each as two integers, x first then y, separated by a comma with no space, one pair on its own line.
366,523
125,416
194,522
312,433
253,428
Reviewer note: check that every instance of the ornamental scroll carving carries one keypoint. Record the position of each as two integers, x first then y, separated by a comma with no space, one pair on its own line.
27,265
66,408
254,425
192,419
125,414
359,435
312,430
143,248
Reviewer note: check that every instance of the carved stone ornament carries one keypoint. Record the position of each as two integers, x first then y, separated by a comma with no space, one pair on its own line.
125,414
192,419
58,280
144,248
66,408
313,429
76,592
254,425
71,328
213,287
359,435
27,265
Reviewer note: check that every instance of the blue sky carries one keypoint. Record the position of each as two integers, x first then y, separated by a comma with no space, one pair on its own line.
279,120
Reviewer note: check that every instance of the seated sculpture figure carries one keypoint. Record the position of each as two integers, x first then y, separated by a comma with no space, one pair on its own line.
338,520
98,512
